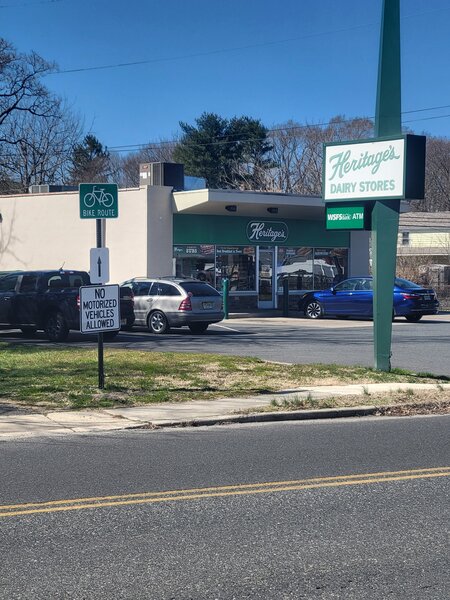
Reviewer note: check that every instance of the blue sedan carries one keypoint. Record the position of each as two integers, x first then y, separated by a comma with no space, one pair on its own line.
354,297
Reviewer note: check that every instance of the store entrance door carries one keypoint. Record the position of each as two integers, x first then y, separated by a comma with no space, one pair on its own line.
266,278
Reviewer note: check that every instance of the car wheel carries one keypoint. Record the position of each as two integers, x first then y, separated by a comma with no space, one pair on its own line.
157,322
55,327
413,318
198,327
28,330
314,310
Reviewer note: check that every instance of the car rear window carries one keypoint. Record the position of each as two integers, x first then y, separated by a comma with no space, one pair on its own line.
65,279
404,284
199,288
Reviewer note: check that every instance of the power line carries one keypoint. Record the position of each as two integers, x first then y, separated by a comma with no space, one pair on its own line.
159,145
29,3
226,50
210,52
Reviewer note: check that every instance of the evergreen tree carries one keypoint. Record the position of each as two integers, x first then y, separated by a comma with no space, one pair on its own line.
226,152
90,162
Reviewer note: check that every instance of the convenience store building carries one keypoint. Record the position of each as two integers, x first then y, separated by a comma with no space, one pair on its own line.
255,239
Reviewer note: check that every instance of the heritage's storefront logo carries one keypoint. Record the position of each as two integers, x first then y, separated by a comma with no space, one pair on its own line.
267,231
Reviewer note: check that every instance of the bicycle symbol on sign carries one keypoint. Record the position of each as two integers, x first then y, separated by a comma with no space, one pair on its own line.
98,195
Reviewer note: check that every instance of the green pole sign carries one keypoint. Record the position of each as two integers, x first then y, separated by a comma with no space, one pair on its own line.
99,201
345,217
385,213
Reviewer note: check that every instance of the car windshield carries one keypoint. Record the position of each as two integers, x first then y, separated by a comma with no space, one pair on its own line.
199,288
404,284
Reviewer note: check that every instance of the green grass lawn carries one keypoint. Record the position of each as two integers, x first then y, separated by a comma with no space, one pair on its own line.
68,377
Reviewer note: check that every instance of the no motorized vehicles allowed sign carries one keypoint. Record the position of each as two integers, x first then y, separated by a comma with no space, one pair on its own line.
99,308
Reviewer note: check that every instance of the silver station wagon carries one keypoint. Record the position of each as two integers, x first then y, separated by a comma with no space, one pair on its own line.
160,304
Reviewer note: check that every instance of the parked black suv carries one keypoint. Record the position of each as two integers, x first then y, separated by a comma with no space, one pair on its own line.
49,300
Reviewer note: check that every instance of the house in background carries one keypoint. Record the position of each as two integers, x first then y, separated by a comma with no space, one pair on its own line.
423,249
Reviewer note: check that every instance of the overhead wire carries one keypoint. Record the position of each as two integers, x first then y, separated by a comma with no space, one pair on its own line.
161,144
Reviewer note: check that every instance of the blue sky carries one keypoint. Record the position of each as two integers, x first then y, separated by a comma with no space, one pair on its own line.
273,60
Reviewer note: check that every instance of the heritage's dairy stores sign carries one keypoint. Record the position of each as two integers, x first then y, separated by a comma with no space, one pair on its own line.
264,232
365,170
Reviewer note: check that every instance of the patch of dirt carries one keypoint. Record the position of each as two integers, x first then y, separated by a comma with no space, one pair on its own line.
423,408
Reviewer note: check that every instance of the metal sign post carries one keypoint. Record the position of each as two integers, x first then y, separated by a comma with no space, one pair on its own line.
99,201
101,370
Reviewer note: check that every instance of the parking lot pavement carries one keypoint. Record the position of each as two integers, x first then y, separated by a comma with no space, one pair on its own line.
326,322
420,347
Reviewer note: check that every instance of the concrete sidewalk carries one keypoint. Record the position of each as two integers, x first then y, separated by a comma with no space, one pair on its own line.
23,422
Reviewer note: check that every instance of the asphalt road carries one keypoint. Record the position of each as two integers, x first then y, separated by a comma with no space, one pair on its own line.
373,523
421,347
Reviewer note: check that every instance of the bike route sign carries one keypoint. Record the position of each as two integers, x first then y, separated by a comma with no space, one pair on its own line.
99,201
99,308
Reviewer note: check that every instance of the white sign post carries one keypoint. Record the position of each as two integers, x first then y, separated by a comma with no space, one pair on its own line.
99,308
99,269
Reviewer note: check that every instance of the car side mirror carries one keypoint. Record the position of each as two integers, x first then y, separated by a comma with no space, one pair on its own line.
332,290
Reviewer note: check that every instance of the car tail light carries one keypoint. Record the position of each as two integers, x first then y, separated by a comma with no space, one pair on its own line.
410,296
186,304
78,301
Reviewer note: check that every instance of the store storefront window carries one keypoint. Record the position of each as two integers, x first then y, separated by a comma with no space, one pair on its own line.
238,264
330,266
196,261
297,265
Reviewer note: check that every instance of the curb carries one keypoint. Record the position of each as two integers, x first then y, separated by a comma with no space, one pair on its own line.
296,415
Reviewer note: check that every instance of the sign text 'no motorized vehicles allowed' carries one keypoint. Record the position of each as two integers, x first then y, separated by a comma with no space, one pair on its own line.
99,308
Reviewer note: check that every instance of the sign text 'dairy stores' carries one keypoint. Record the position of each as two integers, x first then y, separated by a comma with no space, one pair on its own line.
365,170
388,168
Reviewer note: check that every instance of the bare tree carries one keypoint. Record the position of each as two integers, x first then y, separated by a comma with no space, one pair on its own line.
297,152
126,168
437,176
43,148
21,89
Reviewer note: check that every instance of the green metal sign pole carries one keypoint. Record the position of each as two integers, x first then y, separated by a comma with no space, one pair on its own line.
385,213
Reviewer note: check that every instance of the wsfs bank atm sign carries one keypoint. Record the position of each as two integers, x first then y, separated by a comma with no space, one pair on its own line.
386,168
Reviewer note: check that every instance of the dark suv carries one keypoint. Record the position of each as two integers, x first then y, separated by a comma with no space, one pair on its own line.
49,300
160,304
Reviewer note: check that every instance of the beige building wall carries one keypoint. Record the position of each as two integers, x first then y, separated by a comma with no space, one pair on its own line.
44,231
159,231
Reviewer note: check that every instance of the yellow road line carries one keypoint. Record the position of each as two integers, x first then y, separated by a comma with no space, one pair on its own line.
223,488
221,491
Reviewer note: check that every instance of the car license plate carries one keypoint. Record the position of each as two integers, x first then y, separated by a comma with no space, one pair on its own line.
427,297
207,305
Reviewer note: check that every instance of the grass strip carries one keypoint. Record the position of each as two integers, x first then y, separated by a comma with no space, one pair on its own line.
65,377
